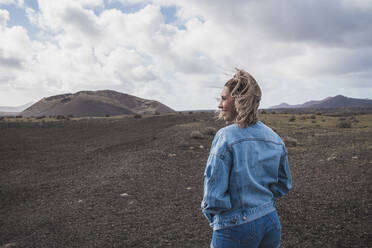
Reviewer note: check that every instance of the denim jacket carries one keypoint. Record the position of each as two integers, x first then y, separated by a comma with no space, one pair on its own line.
247,170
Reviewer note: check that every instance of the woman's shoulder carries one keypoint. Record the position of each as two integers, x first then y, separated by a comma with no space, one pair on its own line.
259,130
270,133
227,131
223,136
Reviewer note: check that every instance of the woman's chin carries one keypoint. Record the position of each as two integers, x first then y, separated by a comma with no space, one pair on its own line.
227,120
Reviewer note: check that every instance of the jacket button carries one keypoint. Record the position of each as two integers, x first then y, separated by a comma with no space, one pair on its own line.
233,221
244,217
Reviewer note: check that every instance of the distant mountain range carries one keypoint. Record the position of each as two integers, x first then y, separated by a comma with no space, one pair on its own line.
338,101
94,103
15,109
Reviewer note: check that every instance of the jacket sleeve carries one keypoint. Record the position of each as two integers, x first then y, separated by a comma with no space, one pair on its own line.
284,183
216,197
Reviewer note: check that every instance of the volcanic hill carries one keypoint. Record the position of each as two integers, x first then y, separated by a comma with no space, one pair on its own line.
94,103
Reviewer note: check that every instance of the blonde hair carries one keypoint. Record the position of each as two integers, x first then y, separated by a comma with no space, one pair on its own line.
247,96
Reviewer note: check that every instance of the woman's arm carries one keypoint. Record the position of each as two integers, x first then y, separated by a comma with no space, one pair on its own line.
284,177
216,197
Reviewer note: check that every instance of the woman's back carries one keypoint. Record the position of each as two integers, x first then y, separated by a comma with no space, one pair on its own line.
247,170
254,157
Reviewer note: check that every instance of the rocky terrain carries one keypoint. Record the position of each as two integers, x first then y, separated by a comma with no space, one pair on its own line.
137,182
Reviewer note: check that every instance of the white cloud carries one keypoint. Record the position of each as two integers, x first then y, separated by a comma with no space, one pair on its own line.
92,3
296,51
19,3
129,1
4,17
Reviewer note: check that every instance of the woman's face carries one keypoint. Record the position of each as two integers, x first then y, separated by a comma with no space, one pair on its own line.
226,105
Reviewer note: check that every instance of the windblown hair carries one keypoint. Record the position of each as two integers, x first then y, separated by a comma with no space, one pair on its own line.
247,96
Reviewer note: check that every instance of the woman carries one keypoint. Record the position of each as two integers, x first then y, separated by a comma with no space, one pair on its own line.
247,170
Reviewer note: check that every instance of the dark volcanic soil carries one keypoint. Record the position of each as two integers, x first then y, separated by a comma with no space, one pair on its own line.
138,183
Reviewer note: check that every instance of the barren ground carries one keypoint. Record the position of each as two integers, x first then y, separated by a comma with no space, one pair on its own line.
127,182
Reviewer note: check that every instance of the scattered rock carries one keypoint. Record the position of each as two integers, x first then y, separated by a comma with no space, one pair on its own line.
201,147
210,131
171,155
331,158
196,135
355,157
124,194
188,188
9,245
289,141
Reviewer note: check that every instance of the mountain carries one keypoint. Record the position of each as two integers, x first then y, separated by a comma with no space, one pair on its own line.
338,101
94,103
15,109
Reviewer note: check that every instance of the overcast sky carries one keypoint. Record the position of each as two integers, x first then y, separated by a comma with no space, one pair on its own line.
182,52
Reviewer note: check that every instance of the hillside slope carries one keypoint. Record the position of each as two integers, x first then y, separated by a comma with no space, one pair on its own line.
94,103
338,101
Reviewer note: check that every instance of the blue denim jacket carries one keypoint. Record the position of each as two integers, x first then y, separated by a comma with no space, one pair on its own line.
247,170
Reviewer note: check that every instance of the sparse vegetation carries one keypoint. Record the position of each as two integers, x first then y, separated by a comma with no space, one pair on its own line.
313,117
354,119
196,135
210,131
137,116
292,118
115,160
344,124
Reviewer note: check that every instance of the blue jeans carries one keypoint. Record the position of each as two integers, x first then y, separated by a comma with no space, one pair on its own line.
263,232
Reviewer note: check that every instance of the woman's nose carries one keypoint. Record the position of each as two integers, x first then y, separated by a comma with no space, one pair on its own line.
220,105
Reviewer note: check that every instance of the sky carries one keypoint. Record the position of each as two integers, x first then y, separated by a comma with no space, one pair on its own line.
182,52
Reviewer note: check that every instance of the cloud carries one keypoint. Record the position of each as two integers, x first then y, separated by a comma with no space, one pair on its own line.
83,21
295,50
130,1
4,17
19,3
11,63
